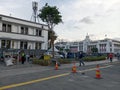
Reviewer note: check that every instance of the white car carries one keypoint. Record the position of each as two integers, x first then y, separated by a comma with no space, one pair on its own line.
58,56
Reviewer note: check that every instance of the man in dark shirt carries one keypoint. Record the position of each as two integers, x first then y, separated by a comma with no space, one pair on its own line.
80,59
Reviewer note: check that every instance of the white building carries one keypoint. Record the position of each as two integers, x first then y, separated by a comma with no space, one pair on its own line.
104,46
17,34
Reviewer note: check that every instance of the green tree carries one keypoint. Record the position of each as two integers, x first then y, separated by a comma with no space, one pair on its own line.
94,50
67,50
61,49
51,16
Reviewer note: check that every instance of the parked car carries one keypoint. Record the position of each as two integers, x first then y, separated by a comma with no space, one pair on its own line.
58,56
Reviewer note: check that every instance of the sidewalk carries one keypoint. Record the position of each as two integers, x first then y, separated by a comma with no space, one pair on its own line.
31,68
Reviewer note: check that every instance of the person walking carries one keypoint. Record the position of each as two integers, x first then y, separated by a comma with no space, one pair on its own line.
118,56
81,62
110,57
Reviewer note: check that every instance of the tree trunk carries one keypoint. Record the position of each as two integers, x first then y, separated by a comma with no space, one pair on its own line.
53,52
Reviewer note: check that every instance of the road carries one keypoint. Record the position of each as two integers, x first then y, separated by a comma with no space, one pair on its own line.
63,79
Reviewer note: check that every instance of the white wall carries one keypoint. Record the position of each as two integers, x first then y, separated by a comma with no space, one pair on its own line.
20,37
107,47
31,45
31,31
14,28
45,44
16,45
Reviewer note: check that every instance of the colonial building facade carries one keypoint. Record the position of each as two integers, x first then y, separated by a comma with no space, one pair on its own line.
104,46
18,34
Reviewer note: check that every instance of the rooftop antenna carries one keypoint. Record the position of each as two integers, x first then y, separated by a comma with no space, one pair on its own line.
35,11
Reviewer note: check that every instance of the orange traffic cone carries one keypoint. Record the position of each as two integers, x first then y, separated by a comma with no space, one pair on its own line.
74,68
98,75
56,66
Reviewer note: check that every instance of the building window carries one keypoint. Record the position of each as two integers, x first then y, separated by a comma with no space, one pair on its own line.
110,44
38,32
23,45
6,27
9,28
6,44
37,45
24,30
110,49
12,43
3,44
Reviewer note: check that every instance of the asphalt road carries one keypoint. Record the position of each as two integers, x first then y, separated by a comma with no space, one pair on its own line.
63,79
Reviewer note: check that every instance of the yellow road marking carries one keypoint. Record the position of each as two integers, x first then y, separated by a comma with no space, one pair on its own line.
33,81
47,78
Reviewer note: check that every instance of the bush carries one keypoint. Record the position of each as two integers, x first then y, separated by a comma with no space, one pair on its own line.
94,58
41,62
64,61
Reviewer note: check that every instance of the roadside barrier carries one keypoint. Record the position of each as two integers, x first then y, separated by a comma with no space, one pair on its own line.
74,68
98,74
56,66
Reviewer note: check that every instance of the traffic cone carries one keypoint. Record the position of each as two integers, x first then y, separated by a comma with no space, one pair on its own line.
74,68
56,66
98,75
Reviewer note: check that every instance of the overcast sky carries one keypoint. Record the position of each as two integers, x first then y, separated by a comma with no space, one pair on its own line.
98,18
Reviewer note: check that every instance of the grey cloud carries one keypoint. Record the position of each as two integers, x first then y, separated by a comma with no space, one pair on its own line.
77,28
92,35
86,20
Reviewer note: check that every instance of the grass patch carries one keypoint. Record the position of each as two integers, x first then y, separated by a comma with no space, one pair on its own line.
41,62
65,61
94,58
